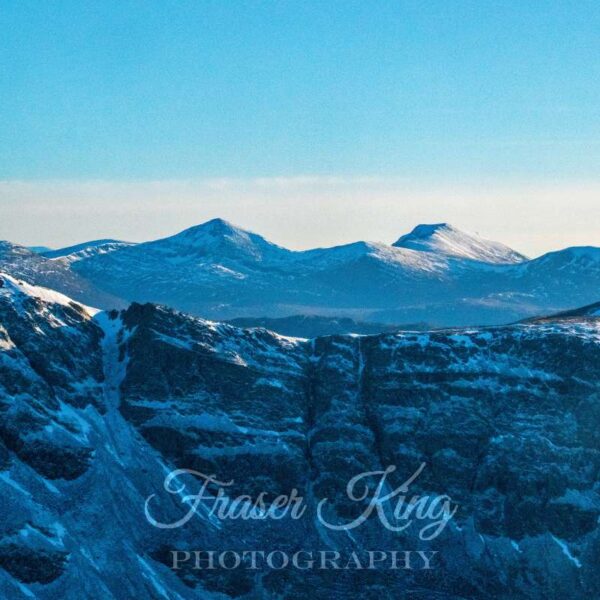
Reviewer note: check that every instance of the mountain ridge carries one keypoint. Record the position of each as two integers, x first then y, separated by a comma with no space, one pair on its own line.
56,274
435,274
85,249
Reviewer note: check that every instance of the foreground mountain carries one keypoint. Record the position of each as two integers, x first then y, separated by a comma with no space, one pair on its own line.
96,408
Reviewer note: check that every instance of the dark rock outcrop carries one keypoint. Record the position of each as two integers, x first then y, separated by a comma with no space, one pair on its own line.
506,420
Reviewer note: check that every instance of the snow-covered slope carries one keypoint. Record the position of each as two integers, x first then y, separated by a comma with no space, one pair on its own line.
217,239
443,238
16,290
22,263
570,261
86,249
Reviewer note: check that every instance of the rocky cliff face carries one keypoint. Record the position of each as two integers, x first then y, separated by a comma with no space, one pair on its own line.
95,410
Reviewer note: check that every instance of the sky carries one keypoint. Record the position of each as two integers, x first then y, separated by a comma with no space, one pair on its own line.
313,123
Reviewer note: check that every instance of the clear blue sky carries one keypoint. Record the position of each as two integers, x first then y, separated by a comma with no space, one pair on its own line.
313,123
425,90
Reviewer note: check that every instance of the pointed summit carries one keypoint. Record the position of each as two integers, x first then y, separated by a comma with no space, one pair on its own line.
221,239
212,228
443,238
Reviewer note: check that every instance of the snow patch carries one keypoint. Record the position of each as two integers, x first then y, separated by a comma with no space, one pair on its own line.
567,552
16,289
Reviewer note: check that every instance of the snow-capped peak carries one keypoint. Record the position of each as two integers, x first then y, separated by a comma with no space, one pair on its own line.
215,228
443,238
222,239
16,289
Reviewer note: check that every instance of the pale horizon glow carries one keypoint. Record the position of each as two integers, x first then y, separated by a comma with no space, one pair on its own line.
299,212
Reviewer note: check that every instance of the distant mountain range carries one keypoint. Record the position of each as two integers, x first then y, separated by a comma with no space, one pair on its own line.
311,326
591,310
435,274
